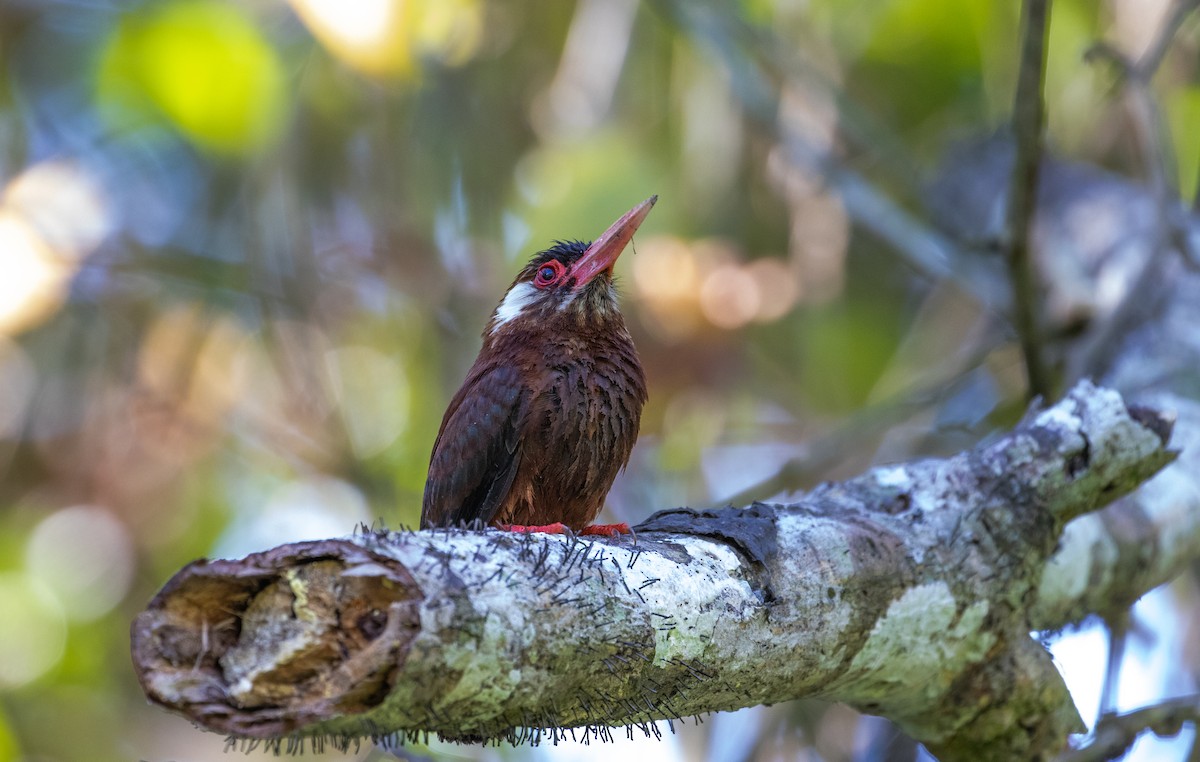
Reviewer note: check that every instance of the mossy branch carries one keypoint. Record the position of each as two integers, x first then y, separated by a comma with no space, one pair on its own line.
905,592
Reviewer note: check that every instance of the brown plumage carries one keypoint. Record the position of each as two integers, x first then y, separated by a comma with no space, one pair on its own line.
549,412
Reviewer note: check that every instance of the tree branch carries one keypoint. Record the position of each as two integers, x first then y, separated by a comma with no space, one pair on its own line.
902,592
1173,223
1107,560
1115,733
1028,120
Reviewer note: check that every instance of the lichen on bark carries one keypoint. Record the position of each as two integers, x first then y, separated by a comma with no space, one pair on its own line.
904,592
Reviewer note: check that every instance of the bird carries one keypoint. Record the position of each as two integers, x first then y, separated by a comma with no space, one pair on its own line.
549,412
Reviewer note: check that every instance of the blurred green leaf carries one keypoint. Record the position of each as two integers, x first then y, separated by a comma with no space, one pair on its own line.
203,66
1183,114
922,58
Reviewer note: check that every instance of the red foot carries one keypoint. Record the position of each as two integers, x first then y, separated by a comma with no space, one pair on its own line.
555,528
607,530
603,530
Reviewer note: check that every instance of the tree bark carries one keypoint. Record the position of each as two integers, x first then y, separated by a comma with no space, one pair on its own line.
907,592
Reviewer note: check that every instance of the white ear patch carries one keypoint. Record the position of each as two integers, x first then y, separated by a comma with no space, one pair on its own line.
517,299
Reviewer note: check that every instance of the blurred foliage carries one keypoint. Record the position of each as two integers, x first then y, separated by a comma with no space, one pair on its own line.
246,249
1183,114
203,66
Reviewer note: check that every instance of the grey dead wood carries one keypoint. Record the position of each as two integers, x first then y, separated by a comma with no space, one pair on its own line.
906,592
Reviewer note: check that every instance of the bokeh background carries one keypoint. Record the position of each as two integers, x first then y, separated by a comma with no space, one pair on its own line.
246,250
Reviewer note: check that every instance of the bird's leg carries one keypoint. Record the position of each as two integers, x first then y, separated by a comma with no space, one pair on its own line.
556,528
607,530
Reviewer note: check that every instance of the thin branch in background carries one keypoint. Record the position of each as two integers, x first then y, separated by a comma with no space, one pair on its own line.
1159,158
1155,140
1154,55
1028,121
757,86
873,142
824,452
1118,634
915,240
1116,733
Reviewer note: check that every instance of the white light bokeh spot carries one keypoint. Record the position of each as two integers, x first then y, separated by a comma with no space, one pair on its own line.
373,420
65,204
314,508
33,632
32,283
362,22
84,556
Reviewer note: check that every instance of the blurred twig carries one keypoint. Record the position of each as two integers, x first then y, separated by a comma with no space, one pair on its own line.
1154,55
1115,733
1118,634
868,137
746,55
1155,145
1028,120
824,452
1155,142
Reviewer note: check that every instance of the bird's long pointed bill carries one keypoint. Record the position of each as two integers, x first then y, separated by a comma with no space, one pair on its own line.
602,254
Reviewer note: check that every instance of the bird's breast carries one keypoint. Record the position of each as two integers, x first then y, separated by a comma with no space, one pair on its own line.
587,406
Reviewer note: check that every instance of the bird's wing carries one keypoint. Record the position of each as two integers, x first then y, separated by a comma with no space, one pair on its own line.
477,452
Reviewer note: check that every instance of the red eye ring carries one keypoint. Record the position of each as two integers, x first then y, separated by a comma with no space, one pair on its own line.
548,274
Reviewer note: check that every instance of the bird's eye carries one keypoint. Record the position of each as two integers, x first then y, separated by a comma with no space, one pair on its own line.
548,273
